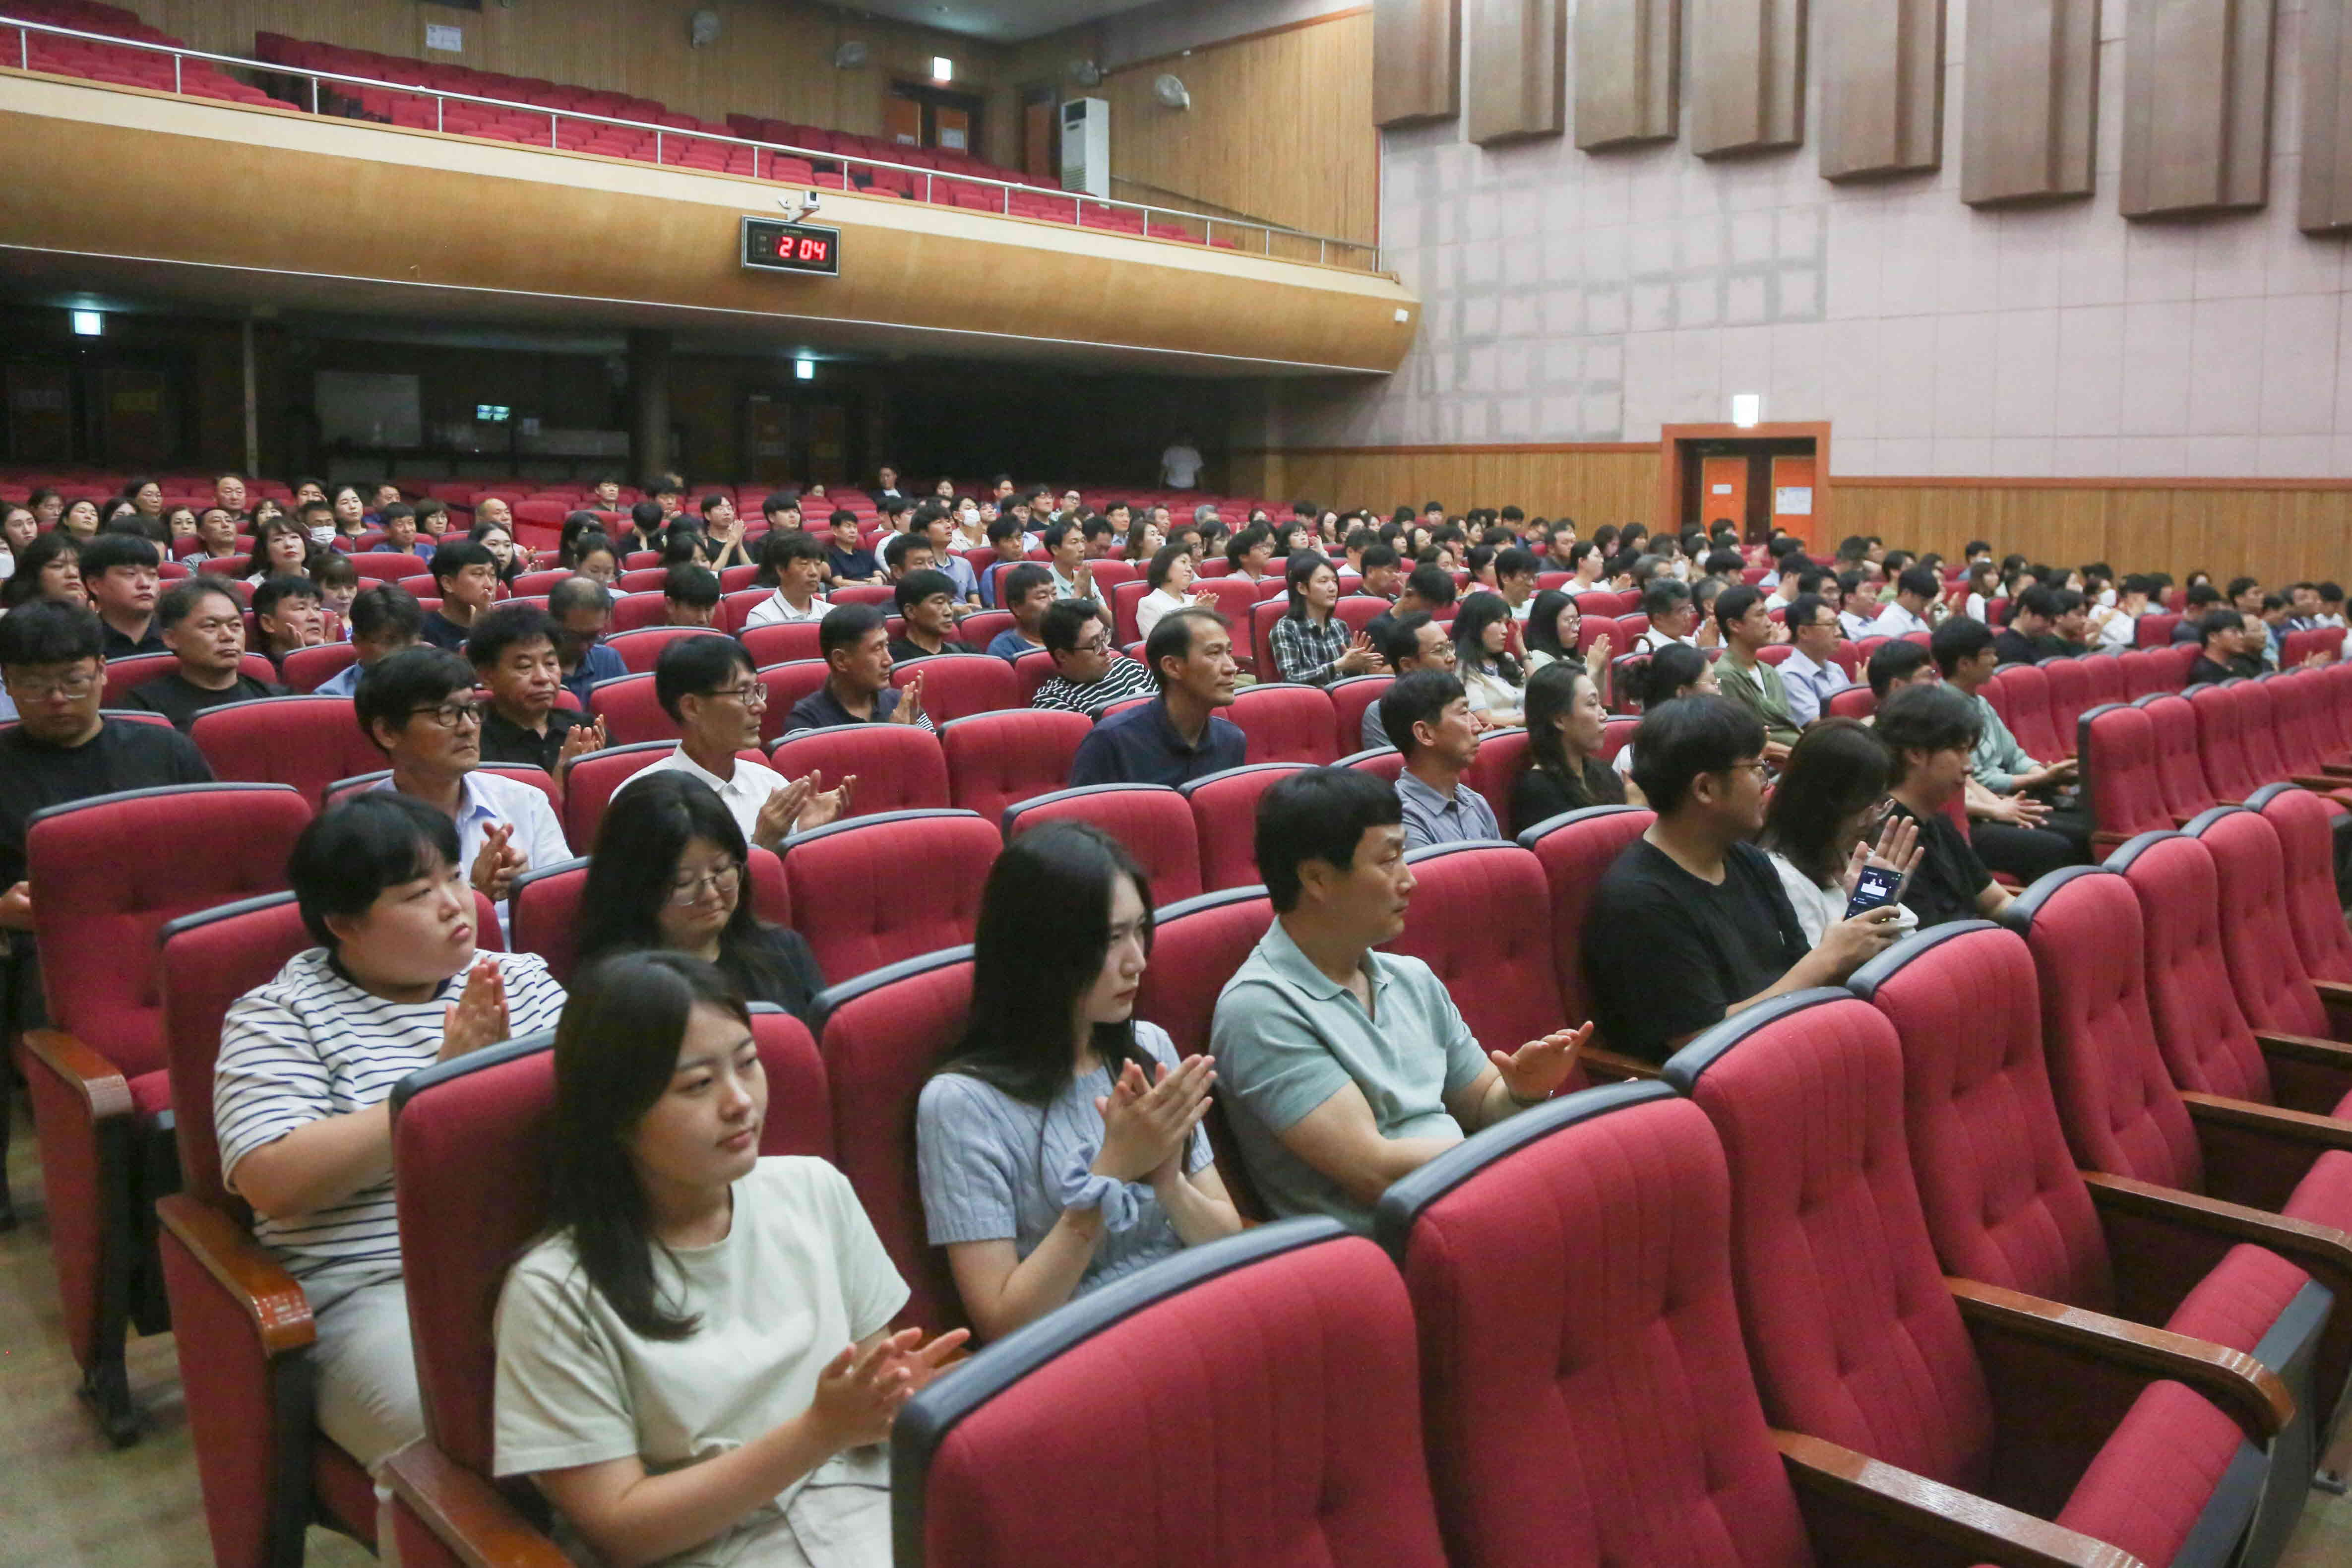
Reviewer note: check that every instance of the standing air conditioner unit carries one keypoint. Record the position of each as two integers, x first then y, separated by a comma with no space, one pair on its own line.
1085,146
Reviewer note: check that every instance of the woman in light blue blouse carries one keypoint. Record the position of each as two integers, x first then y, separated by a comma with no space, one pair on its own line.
1061,1146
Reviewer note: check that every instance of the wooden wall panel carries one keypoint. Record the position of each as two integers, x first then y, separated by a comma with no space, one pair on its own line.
1627,54
1591,484
1882,87
2029,130
1747,75
1417,60
2324,204
1280,129
2197,95
1518,58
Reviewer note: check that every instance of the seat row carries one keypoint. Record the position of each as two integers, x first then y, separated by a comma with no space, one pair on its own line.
2160,760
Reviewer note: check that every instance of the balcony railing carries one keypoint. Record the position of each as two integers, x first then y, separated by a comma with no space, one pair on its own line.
1116,216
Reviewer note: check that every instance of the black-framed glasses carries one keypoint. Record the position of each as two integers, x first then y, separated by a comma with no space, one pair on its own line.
690,888
454,714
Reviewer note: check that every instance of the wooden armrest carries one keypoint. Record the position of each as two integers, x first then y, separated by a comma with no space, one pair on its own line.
2319,782
102,1084
1615,1065
242,1267
2321,1251
2250,1392
2333,994
2297,1126
466,1514
1901,1502
2306,1048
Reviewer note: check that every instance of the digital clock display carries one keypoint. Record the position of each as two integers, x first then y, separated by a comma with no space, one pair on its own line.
775,247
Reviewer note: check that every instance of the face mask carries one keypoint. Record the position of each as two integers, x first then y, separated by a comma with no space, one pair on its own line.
2108,597
323,535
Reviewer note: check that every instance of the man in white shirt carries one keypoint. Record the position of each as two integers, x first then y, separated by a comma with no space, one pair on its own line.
798,561
1673,614
418,706
1809,676
1914,594
708,685
1180,465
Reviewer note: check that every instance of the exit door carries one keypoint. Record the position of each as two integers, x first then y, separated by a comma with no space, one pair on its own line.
796,443
1722,493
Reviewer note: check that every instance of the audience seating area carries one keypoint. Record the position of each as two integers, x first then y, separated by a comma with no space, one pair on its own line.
113,63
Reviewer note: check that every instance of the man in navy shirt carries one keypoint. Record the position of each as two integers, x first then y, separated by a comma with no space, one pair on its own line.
850,563
582,607
856,643
1178,735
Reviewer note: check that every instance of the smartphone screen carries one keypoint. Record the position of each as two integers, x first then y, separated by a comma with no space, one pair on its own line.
1876,886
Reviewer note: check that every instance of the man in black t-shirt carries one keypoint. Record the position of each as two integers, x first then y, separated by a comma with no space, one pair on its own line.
1691,923
2227,653
512,650
2029,636
205,628
1931,732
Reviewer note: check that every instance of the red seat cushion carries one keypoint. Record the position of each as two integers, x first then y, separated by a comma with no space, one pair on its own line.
2154,1474
2237,1303
2323,1197
151,1094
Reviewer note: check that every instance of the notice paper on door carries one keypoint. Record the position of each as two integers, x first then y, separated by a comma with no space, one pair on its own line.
1793,501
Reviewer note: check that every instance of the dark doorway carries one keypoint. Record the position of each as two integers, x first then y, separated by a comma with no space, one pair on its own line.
934,117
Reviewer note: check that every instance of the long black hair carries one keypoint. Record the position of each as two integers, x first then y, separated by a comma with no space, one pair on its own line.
1837,768
1297,574
616,1052
1543,623
1478,612
1551,692
25,586
1045,926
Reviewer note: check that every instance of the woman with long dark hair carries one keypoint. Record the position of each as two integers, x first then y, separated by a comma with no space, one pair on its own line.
1489,671
47,568
671,871
1830,797
695,1363
1061,1147
1564,769
1310,643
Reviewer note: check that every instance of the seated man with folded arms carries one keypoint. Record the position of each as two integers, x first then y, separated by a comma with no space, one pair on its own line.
1345,1068
1430,719
1179,735
710,687
419,709
796,560
1028,594
1089,674
1692,924
204,629
385,618
690,595
512,650
306,1063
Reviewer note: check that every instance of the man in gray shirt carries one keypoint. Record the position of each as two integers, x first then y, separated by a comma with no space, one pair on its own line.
1428,718
1343,1067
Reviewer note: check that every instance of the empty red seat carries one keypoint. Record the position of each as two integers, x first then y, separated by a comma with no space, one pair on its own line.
2314,907
306,742
2024,707
2179,770
898,767
2119,769
1287,724
958,685
1153,821
2282,1012
2069,684
1225,820
875,889
1575,849
997,758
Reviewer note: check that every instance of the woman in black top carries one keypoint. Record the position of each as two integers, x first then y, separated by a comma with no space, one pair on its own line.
670,871
1930,731
1564,771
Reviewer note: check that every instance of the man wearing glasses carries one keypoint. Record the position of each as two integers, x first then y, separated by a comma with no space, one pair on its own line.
710,687
60,749
1089,675
418,706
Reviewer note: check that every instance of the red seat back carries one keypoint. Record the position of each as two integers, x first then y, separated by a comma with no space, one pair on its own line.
1575,850
883,1034
958,685
2180,772
205,962
387,565
2201,1031
2144,674
2119,767
1383,763
641,649
786,685
1287,723
781,644
306,742
2115,1100
2107,683
102,888
1852,1332
2315,909
2262,712
2221,743
543,908
1360,610
1012,754
1031,670
1502,754
1124,598
1479,917
1153,821
899,767
737,603
2069,684
1196,945
631,711
1262,617
2004,1201
1852,702
1292,1405
640,611
2297,724
125,675
1350,698
469,1177
306,668
1225,820
589,785
2026,709
874,890
2264,967
1643,1399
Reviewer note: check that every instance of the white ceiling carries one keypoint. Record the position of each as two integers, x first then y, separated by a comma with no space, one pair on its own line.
1000,21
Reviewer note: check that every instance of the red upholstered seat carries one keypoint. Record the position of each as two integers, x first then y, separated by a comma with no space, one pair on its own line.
997,758
589,785
1275,1369
875,889
1153,821
469,1173
898,767
306,742
2314,909
1852,702
1350,698
1502,754
2179,770
781,644
786,685
2107,682
631,711
1856,1337
1225,819
2069,683
2118,752
1287,724
2264,970
1383,763
1575,849
1480,918
882,1035
2199,1025
306,668
543,908
957,685
2026,709
2221,743
641,649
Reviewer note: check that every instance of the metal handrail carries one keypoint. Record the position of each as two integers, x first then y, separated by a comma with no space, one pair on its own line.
442,98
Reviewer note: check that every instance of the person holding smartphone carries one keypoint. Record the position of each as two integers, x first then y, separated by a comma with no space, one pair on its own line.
1929,732
1828,831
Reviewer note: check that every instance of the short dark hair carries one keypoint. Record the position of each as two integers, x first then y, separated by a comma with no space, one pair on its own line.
1719,562
645,514
1173,638
691,666
1735,602
1803,609
1402,639
918,585
108,551
1056,532
1417,696
783,547
1959,638
503,628
844,625
2038,601
1432,585
1163,560
285,585
687,583
180,599
1318,814
2237,585
2216,622
1065,620
1897,659
398,684
1516,560
1667,671
333,569
776,501
343,862
454,557
895,548
576,593
1925,719
1663,597
1680,739
385,607
1016,585
1376,553
1920,582
45,632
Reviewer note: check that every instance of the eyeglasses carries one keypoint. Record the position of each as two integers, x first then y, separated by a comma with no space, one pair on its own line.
1101,643
690,888
450,715
72,688
1756,764
752,695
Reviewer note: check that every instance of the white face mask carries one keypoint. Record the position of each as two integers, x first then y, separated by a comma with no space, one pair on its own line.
2108,597
323,535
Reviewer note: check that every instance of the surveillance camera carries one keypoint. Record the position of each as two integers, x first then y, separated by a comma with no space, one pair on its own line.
802,207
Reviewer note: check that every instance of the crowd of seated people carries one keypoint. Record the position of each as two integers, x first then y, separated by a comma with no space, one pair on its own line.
1060,1142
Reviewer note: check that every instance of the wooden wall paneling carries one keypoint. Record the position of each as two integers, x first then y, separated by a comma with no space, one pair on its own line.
1627,53
1416,60
2196,91
1590,484
1882,87
2029,128
2323,203
1518,58
1747,75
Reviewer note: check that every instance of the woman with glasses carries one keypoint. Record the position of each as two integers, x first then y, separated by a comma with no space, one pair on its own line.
1831,797
669,873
